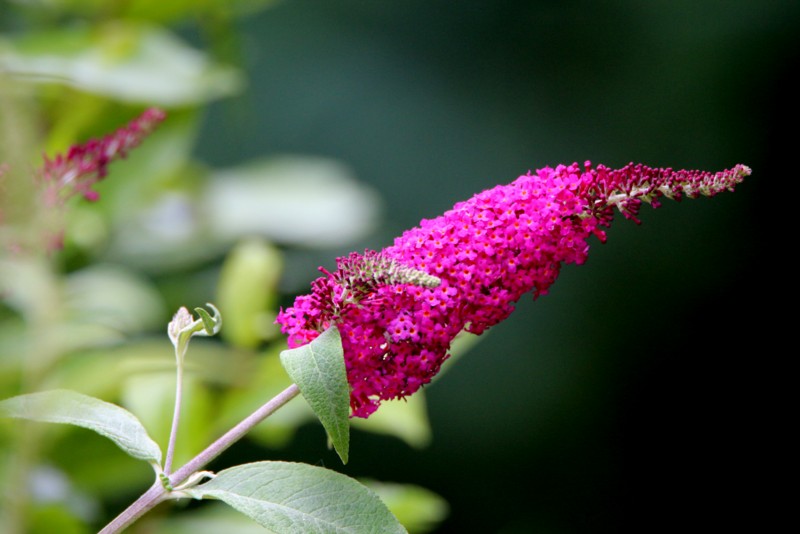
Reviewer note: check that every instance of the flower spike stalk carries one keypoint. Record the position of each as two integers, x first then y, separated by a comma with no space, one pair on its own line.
484,255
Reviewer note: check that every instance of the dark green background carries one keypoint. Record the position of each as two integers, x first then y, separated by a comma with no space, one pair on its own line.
634,397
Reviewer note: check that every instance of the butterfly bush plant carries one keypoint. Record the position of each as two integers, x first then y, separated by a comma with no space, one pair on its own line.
378,327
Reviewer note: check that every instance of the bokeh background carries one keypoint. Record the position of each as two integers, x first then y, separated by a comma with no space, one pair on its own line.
636,396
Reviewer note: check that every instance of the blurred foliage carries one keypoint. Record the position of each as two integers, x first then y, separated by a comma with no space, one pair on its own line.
168,231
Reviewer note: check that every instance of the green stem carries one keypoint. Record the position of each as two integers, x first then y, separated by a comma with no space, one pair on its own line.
176,416
157,493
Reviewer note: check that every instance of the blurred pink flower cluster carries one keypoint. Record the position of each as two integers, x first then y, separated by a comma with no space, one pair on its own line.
75,172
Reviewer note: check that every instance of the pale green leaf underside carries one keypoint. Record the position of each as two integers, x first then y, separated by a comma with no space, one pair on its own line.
70,407
134,63
295,498
318,370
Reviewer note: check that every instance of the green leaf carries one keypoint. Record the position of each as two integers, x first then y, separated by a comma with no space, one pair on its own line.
128,62
214,518
114,296
298,498
208,322
70,407
181,10
247,290
327,204
406,419
419,509
53,517
318,370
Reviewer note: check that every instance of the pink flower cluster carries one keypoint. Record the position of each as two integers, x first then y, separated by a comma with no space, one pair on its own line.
485,253
75,172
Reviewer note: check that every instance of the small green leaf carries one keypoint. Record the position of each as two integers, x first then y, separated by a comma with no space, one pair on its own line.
247,290
208,322
298,498
318,370
70,407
